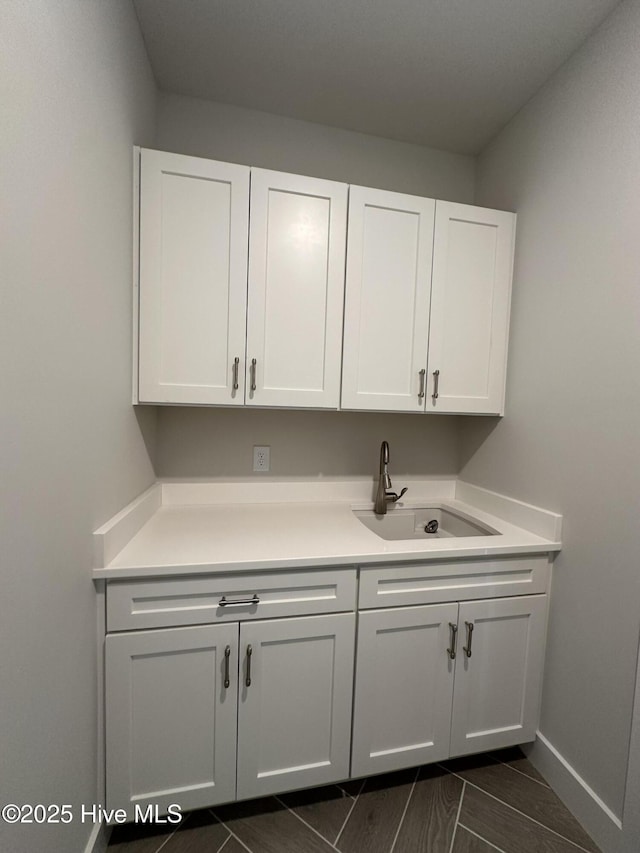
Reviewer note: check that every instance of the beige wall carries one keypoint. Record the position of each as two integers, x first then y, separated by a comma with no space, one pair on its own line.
77,93
569,163
218,442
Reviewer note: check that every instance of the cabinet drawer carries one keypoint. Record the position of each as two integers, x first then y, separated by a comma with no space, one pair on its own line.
433,582
227,598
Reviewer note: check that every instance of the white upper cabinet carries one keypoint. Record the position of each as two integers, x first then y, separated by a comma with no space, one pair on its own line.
470,298
426,306
242,288
193,279
387,300
296,290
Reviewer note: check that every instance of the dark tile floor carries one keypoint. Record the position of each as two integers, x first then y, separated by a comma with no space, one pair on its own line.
468,805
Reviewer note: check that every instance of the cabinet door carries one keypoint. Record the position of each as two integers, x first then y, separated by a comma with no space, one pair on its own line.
296,289
294,717
497,688
470,299
404,684
387,300
193,279
170,720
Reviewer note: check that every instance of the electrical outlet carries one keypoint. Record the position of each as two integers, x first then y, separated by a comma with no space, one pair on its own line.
261,458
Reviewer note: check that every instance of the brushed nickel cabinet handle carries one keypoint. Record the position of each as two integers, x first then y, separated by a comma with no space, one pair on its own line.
467,648
253,374
240,602
436,382
236,364
227,653
248,678
422,377
453,628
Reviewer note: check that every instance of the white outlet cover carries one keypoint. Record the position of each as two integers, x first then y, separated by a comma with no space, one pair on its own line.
261,458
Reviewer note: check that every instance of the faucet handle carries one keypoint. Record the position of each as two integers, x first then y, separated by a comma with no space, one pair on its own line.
394,497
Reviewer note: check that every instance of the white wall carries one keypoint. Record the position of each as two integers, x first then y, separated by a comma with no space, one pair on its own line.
569,163
77,93
239,135
218,442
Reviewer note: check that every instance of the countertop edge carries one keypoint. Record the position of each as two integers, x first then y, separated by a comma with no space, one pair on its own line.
337,561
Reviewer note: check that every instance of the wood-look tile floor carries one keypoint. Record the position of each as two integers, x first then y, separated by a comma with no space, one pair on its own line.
468,805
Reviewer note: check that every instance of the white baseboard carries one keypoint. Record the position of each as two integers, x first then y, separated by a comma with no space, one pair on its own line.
99,839
596,817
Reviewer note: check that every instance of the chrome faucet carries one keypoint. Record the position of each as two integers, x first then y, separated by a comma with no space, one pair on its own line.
383,495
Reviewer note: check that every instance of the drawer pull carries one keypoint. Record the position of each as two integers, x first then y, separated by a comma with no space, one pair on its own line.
454,639
467,648
227,653
421,391
241,602
248,678
253,374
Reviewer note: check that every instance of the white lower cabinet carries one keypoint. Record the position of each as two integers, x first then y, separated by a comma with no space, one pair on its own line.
179,700
498,676
247,706
446,679
170,720
404,685
294,718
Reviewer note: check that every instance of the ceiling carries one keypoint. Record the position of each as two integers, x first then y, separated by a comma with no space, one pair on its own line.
448,74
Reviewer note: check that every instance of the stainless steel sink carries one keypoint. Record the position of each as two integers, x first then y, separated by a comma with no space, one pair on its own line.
422,523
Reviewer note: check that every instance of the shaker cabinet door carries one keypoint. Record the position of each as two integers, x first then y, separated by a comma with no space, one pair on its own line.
194,220
403,687
170,719
498,673
470,299
387,300
294,715
296,290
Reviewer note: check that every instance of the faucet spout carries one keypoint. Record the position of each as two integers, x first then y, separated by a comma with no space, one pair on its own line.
383,495
384,461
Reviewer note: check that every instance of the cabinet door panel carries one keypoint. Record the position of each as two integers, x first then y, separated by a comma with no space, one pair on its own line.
470,299
170,721
497,689
296,288
387,300
294,720
193,279
404,684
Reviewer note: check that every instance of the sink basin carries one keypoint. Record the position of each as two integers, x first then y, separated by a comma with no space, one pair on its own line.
410,523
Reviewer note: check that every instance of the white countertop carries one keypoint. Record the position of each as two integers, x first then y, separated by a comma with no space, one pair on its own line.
160,535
